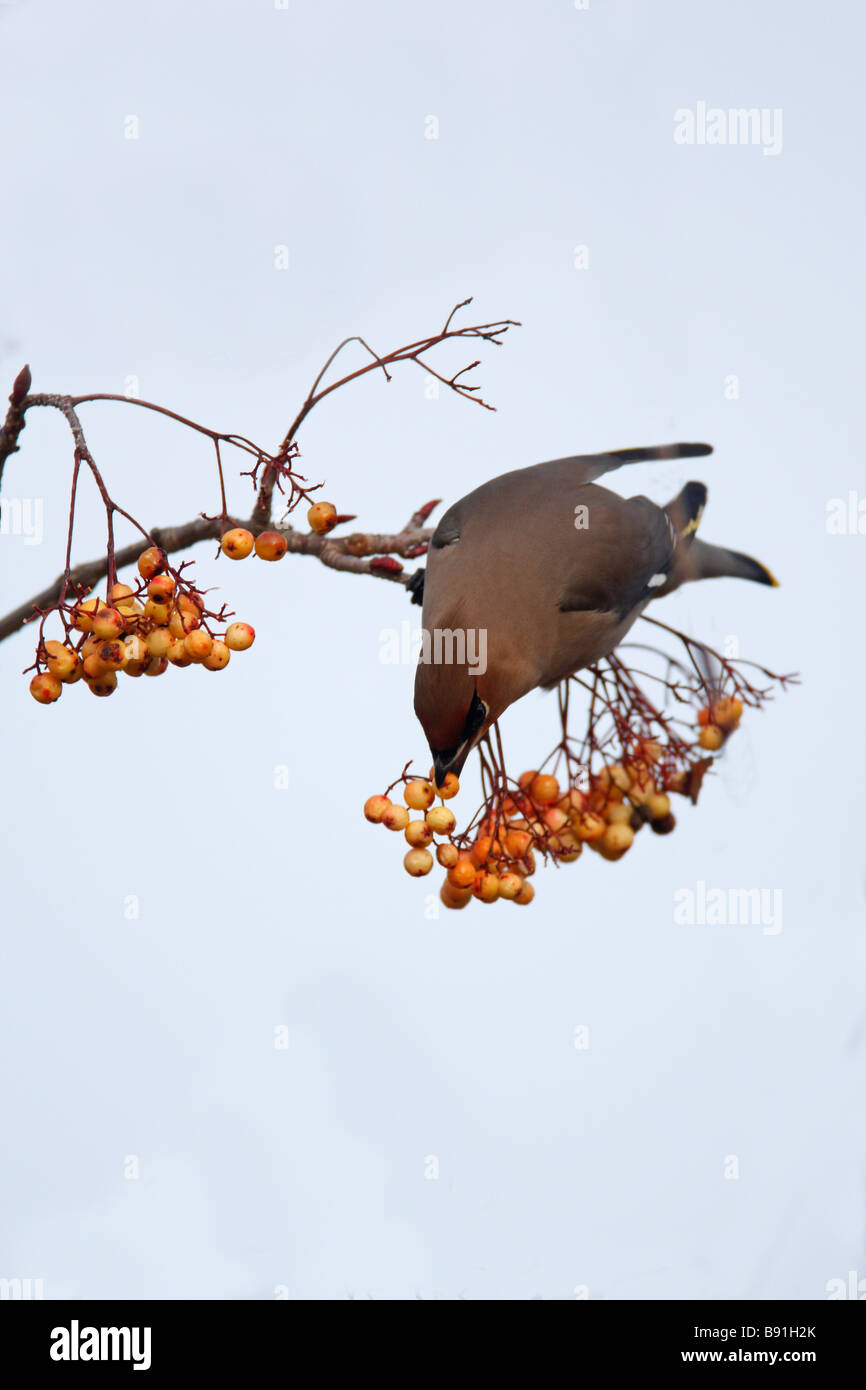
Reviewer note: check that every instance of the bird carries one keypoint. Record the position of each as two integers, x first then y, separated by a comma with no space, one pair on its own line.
541,572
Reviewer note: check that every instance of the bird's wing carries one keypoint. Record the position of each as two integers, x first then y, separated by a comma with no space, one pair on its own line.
527,489
587,467
625,554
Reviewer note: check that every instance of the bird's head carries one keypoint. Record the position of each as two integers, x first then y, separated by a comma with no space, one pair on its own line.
452,713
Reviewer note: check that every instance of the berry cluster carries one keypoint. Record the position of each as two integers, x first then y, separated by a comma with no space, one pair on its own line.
139,631
603,810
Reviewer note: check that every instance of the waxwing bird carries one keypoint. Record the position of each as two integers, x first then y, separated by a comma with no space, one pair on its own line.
541,572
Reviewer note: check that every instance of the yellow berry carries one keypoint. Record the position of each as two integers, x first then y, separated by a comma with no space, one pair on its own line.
525,896
396,818
441,820
510,885
161,588
616,840
711,738
418,794
61,662
322,517
46,688
450,787
658,806
218,657
158,641
237,544
375,808
239,636
418,862
178,654
198,644
447,855
84,613
418,834
103,685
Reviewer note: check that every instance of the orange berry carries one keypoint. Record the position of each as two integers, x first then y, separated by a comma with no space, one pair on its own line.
237,544
517,842
486,886
591,826
704,716
574,802
462,874
239,636
93,667
396,818
711,738
616,840
510,885
375,808
525,896
178,654
156,666
484,849
158,641
161,588
727,713
418,862
198,644
544,789
454,898
157,611
84,613
103,685
46,688
270,545
418,794
447,855
418,834
526,779
150,562
450,787
113,655
218,657
554,818
322,517
441,820
614,775
61,662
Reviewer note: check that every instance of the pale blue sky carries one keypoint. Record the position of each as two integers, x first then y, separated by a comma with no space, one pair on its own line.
304,1168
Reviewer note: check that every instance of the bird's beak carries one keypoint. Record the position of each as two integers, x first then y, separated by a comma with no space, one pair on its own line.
449,763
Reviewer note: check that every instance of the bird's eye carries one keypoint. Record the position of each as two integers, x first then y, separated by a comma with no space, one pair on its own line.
478,712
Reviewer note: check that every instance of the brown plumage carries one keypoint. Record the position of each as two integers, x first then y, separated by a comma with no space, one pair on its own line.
545,572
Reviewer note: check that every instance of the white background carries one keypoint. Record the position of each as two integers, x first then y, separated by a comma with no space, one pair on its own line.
410,1037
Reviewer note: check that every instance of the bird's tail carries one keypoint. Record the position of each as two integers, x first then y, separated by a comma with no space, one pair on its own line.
695,559
714,562
660,451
